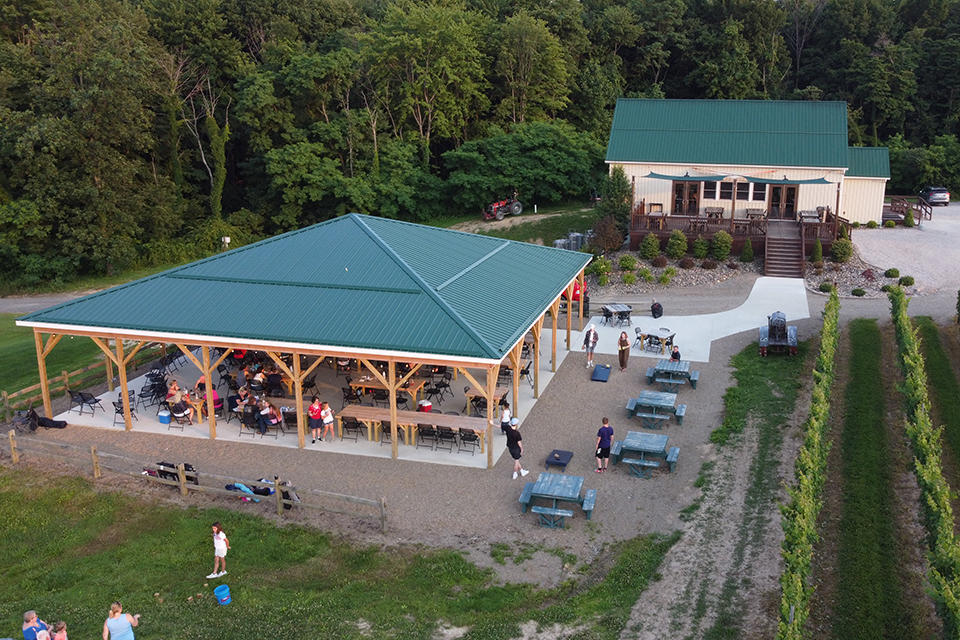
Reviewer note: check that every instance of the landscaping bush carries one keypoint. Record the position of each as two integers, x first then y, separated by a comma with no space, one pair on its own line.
646,274
659,262
603,279
701,247
687,263
818,271
818,264
629,277
733,265
869,275
859,292
843,233
842,250
677,244
887,288
817,255
855,224
708,264
721,245
747,254
628,263
650,247
599,266
908,218
826,287
872,224
836,266
891,273
905,281
670,271
890,224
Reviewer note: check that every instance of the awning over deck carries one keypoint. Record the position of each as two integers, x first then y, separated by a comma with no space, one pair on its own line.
720,178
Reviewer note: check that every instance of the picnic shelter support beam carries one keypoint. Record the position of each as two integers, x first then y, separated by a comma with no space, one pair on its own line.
492,374
297,376
205,371
121,361
537,330
108,366
515,378
583,297
569,315
554,315
42,351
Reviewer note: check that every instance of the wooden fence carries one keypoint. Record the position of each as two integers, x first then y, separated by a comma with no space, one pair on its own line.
81,378
208,483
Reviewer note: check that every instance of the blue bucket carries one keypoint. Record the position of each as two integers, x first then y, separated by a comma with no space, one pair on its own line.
223,594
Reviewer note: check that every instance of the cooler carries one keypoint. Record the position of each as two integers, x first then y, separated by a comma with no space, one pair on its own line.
424,406
164,417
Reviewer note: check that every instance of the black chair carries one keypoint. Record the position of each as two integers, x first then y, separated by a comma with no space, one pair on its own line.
385,432
224,373
309,383
623,317
433,393
343,368
525,374
90,400
249,420
118,411
426,432
444,383
147,397
446,437
256,387
479,407
402,400
350,396
451,413
290,420
351,428
607,316
219,409
468,438
639,341
380,395
181,417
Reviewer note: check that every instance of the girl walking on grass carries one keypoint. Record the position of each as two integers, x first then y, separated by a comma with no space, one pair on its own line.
220,546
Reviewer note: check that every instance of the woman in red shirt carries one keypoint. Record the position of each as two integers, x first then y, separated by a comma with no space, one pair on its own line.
315,422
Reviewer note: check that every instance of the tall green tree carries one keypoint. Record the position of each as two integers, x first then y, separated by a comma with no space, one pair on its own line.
531,69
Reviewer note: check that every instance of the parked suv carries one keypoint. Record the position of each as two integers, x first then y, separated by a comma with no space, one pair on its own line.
936,195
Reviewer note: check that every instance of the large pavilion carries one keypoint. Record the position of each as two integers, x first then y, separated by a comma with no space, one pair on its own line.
357,287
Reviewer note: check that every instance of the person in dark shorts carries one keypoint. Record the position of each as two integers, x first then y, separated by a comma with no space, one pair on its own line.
515,447
604,436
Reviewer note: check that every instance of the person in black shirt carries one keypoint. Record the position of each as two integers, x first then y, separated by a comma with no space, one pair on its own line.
515,447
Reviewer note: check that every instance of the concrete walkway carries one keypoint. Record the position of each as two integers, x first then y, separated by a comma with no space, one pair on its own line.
695,333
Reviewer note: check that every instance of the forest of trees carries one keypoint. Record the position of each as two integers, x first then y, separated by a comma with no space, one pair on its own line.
138,132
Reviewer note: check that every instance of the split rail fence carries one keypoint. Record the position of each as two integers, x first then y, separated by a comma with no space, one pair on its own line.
209,483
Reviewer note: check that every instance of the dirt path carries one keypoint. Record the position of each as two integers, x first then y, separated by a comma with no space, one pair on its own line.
478,225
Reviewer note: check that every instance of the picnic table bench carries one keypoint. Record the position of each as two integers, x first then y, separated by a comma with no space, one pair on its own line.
589,498
653,420
672,458
551,518
641,468
674,369
526,496
616,451
670,385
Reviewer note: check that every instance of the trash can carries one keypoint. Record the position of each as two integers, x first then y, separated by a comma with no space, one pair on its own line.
164,417
223,594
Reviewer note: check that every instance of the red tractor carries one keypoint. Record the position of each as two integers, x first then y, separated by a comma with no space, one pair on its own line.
498,210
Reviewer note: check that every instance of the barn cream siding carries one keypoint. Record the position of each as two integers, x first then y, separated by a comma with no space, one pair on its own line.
862,199
809,196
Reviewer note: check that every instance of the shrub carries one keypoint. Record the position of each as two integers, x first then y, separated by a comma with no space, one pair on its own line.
709,264
908,219
650,247
869,275
722,243
733,265
659,262
889,224
677,244
905,281
687,263
604,279
818,271
664,279
600,267
701,247
817,255
629,277
842,250
872,224
826,287
855,224
843,232
670,271
859,292
887,288
891,273
607,234
628,263
836,266
747,254
646,274
818,264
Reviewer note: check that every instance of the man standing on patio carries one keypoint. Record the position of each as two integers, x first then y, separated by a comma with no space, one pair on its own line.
590,340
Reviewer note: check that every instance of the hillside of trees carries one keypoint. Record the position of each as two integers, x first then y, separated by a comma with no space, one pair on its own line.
140,132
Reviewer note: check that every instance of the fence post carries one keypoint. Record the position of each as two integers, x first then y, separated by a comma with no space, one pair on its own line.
383,515
13,448
6,406
66,384
182,479
279,494
96,461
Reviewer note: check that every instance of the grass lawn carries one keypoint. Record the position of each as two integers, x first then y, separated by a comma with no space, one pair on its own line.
941,382
546,230
69,551
20,355
870,601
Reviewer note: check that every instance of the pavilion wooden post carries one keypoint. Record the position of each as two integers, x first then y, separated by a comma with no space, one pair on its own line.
392,390
515,362
537,330
297,376
492,374
555,316
108,366
208,384
569,315
124,395
583,297
42,352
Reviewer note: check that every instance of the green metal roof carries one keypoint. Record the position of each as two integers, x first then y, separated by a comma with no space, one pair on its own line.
868,162
768,133
355,282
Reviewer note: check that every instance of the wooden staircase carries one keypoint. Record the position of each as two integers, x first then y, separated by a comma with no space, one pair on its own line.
783,253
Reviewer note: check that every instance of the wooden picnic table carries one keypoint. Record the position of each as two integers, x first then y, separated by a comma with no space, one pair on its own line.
655,340
672,371
412,387
643,444
809,216
372,417
647,404
756,214
713,212
473,392
558,487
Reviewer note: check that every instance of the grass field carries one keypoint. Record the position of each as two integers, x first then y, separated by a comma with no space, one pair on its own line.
546,230
870,601
69,551
942,383
20,355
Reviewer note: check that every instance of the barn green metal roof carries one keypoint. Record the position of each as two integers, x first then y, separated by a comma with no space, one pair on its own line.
769,133
354,282
868,162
